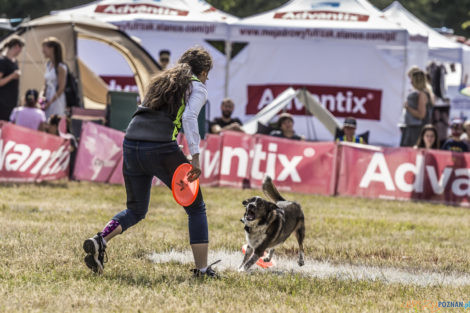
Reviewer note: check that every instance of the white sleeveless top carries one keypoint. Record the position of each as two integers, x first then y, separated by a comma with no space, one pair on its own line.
58,106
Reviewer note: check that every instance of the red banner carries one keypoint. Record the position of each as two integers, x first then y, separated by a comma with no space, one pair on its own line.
361,103
404,173
30,156
294,165
210,160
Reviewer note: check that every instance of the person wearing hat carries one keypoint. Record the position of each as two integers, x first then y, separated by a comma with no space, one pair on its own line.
454,143
286,128
349,132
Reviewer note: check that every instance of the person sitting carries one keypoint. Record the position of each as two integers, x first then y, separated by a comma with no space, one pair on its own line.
29,115
454,143
428,138
286,128
348,133
52,126
226,122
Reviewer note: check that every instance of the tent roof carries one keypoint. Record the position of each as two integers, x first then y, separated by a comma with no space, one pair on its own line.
347,14
400,14
169,10
68,19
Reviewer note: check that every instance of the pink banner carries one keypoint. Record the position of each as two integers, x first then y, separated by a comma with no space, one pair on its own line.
295,165
210,160
99,153
404,173
30,156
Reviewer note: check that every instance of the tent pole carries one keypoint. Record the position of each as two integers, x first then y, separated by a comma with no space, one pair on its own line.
228,53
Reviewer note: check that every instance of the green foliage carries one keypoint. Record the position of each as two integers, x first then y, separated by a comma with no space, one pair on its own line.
436,13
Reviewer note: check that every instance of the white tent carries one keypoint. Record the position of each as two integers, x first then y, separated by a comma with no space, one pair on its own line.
344,52
441,48
174,25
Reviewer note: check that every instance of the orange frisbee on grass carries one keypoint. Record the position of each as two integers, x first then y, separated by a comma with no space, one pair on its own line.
260,261
184,191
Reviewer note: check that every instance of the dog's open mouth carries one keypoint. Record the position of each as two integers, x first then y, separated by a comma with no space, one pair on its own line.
250,216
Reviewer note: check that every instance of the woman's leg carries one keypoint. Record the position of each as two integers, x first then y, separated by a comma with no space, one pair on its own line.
197,219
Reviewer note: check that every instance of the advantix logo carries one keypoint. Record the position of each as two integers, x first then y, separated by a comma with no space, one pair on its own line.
322,15
342,101
135,8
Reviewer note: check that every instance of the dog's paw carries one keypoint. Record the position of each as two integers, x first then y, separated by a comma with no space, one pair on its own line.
267,259
301,262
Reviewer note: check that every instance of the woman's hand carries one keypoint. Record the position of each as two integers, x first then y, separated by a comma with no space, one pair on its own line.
196,170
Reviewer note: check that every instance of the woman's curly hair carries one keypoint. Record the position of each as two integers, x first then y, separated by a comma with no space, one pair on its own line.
168,88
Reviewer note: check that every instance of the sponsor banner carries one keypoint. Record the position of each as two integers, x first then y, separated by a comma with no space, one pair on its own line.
361,103
210,160
404,173
322,16
99,152
236,159
139,8
31,156
295,165
120,83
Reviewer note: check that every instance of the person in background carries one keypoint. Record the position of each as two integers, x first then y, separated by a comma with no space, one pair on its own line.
55,77
9,76
286,128
29,115
52,126
417,110
349,130
164,58
466,135
226,122
454,143
428,138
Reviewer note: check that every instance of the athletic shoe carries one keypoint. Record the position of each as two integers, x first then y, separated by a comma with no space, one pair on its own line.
96,253
208,273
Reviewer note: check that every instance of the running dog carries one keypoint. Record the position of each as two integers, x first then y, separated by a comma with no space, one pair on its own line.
269,224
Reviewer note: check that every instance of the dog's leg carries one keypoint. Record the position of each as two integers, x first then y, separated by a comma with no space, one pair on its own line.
255,257
269,256
248,253
300,235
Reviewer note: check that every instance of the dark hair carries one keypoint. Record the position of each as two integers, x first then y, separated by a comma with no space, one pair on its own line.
168,88
164,52
31,98
283,117
198,58
54,120
56,45
12,41
420,143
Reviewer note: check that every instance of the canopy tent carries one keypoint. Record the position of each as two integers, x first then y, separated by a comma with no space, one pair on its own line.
174,25
352,60
441,48
67,29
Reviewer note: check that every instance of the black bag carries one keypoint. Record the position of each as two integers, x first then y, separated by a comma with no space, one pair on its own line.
72,98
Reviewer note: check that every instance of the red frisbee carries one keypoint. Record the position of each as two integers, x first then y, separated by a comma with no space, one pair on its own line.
184,192
260,261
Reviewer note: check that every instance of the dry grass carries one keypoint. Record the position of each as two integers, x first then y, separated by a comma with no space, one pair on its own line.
42,229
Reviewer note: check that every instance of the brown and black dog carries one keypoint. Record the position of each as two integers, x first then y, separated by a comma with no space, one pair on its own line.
269,224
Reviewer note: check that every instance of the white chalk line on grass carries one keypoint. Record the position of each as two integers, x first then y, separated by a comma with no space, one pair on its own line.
231,261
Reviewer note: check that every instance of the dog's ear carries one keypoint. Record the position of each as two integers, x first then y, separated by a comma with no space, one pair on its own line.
245,202
258,201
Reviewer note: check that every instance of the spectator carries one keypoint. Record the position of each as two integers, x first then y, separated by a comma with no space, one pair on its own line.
454,143
349,132
226,122
52,126
29,115
466,135
55,77
286,128
9,76
428,138
164,58
417,110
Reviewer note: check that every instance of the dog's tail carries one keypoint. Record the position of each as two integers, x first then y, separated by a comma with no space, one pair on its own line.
270,190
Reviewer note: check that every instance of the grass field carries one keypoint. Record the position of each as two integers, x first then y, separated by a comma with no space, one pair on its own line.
42,228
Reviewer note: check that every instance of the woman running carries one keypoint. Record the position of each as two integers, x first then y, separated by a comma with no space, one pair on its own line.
173,100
